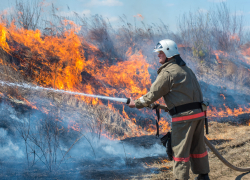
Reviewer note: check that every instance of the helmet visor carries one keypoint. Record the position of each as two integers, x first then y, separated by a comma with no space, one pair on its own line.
158,46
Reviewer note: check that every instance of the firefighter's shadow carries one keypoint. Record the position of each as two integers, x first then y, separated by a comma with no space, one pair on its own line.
241,176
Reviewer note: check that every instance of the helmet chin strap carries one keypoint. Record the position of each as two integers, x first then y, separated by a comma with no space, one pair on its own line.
166,60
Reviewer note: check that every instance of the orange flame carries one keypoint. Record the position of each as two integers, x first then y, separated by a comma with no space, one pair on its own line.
68,55
219,53
73,125
3,36
223,96
213,112
31,104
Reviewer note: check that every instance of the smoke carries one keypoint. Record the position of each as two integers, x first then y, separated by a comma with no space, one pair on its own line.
8,148
30,138
104,147
11,144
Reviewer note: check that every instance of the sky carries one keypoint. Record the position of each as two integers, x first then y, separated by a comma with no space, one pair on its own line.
150,11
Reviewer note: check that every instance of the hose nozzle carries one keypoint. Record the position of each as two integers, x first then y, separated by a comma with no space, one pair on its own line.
128,101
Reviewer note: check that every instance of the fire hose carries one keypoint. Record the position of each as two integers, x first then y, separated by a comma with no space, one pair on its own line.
241,169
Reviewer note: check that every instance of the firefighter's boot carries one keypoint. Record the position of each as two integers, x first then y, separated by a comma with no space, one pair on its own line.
202,177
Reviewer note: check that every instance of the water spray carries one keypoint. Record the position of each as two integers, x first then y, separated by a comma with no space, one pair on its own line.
39,88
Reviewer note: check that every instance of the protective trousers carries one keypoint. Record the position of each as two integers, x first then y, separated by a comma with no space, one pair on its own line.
189,148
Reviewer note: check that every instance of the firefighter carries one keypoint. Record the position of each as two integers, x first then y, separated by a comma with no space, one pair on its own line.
178,85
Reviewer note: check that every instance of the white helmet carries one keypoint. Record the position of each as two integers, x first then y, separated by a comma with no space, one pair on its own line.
168,46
